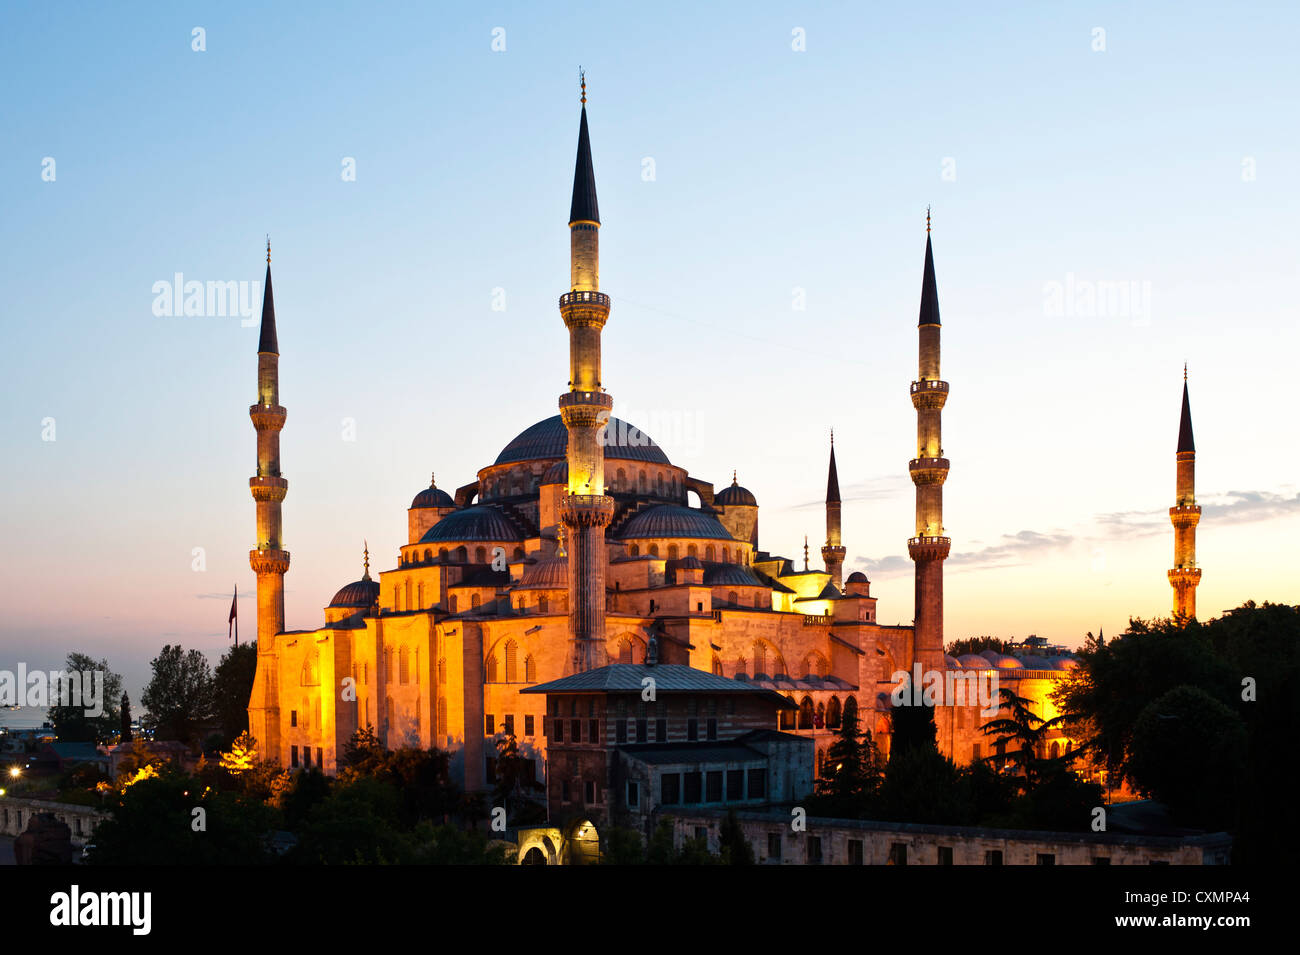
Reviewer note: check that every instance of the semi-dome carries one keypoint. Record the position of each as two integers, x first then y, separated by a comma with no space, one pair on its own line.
550,573
550,439
730,575
557,473
857,577
477,523
735,496
674,520
432,496
360,593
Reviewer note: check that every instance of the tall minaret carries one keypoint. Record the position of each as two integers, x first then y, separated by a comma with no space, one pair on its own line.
585,510
832,550
270,560
1185,515
929,469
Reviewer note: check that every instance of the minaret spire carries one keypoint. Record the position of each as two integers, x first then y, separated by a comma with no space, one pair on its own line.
929,470
586,509
365,560
270,561
1185,576
833,550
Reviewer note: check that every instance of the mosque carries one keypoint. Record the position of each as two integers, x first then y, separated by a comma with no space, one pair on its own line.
580,545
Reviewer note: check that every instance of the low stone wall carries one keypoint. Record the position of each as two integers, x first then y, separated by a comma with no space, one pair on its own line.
15,812
845,841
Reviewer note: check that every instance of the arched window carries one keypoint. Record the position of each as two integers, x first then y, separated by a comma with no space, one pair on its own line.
806,714
624,650
760,660
541,603
672,551
390,713
480,555
441,728
310,675
742,668
451,601
708,552
717,665
833,713
403,666
726,555
462,554
530,669
851,710
659,483
428,554
490,670
640,481
733,597
620,481
819,718
654,550
634,551
692,550
473,601
442,553
442,672
519,552
512,662
409,605
397,599
1056,750
419,596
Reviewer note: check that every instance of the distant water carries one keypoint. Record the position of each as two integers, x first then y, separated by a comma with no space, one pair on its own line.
23,718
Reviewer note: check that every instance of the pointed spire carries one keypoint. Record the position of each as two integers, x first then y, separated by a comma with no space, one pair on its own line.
929,288
584,207
833,477
1185,441
268,342
366,561
805,551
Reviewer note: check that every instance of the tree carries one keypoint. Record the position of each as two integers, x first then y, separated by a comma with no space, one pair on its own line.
920,784
516,784
242,756
1023,726
232,685
851,772
126,720
977,645
68,716
179,697
735,848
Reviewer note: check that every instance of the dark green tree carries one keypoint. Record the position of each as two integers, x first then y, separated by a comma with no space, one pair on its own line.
232,685
126,735
68,716
734,847
1018,725
851,773
179,696
517,789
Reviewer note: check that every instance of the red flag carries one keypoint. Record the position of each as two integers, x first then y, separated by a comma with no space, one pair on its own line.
233,620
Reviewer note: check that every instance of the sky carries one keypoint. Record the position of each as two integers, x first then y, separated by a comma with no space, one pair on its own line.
1113,191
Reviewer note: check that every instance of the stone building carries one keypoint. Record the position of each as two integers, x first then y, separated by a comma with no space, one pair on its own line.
576,546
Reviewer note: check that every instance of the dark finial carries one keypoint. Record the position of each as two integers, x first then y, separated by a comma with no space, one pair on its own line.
927,220
1184,371
805,551
582,79
733,477
366,560
268,249
433,479
832,437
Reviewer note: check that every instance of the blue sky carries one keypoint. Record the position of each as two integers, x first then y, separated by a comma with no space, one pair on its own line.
1165,163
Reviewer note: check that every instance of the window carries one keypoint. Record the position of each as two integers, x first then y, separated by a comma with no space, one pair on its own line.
1046,858
670,789
713,786
620,731
575,731
320,757
293,756
735,785
593,731
591,792
641,734
490,724
855,852
490,671
293,717
509,724
564,791
699,606
897,854
530,669
758,784
992,856
975,753
557,729
306,756
1101,860
661,730
693,788
633,793
774,846
711,728
528,725
945,855
403,666
692,729
452,602
814,850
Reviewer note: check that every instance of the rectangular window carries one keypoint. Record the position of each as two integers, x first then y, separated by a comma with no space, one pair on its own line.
694,788
591,792
1101,860
490,769
293,717
897,854
692,729
306,756
490,724
670,789
620,731
575,731
557,730
640,731
774,846
855,852
713,786
1046,858
975,753
661,730
992,856
814,850
757,784
528,725
633,794
593,731
293,757
945,855
711,728
735,785
320,758
510,724
564,791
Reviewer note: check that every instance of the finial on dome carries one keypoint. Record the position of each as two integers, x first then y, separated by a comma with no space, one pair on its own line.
559,542
366,560
433,479
582,79
268,249
733,477
927,220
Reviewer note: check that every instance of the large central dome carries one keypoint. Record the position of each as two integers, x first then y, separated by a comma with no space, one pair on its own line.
549,439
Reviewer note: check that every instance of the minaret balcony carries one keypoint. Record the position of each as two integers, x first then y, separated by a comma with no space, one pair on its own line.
267,417
1185,515
928,470
269,561
600,298
586,510
268,488
930,394
585,409
1185,575
584,308
929,548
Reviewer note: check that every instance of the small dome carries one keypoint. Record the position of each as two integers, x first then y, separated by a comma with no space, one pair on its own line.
730,575
550,573
360,594
990,655
432,496
477,523
857,577
1004,662
973,661
735,495
690,563
674,520
1036,663
557,473
951,663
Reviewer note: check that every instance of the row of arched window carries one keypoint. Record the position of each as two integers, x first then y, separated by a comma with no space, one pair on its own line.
674,551
492,670
457,555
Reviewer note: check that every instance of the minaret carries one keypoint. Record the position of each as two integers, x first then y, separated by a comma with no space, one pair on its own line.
585,509
929,469
270,560
833,551
1185,515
